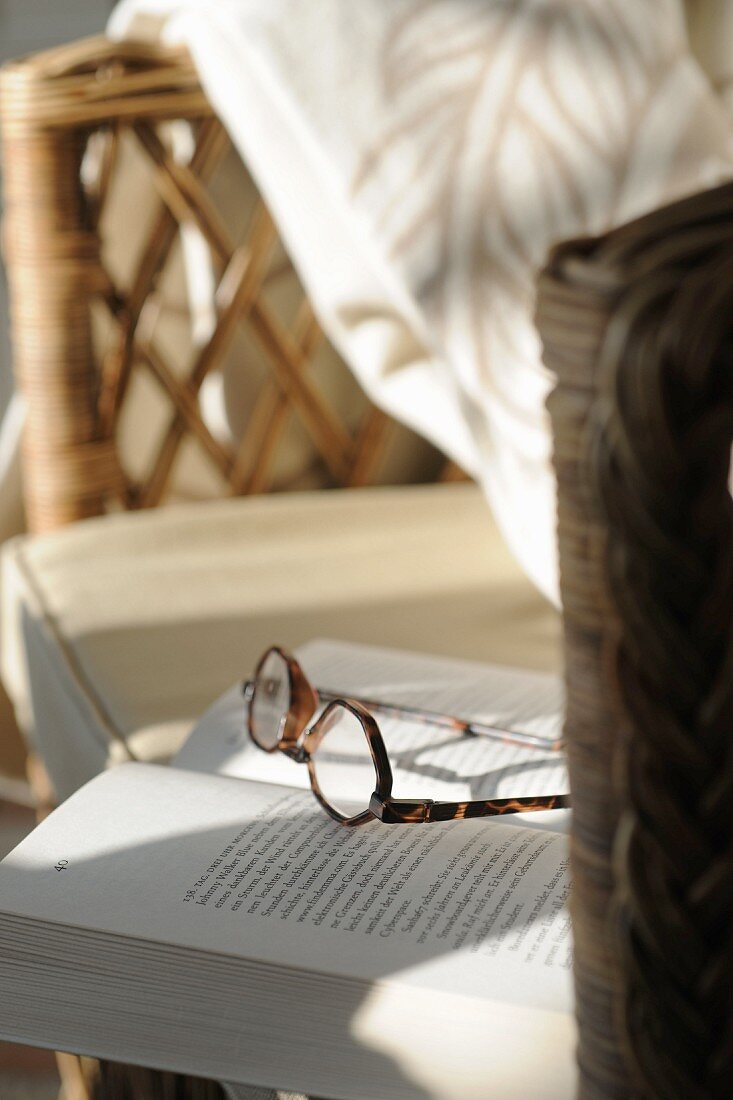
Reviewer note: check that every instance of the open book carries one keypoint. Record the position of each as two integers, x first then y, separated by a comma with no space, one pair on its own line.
211,919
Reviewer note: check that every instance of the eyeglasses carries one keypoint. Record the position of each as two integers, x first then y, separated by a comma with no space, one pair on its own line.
344,751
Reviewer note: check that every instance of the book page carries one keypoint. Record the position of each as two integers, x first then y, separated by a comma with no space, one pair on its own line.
428,761
494,694
260,872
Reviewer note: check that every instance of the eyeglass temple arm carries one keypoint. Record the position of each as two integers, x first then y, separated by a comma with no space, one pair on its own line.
411,811
463,726
458,725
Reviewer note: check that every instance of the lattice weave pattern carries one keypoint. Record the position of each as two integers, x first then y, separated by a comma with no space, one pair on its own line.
655,459
664,434
56,109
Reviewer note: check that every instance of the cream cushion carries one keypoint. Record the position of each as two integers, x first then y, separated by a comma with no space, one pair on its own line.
119,632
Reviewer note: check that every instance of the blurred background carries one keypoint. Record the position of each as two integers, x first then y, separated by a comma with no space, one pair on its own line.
26,26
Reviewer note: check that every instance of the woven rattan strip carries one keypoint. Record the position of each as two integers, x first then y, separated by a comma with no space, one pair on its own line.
572,321
639,328
54,107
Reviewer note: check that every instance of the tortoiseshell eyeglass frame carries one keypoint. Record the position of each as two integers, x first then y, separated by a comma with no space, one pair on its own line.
299,742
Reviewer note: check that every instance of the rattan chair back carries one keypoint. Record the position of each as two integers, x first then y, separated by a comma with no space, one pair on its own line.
73,108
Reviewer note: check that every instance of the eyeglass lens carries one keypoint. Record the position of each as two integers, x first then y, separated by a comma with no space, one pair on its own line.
343,763
270,700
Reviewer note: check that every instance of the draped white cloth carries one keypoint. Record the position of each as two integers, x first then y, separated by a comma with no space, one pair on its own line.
421,157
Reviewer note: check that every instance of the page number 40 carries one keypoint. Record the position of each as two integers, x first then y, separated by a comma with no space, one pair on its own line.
61,865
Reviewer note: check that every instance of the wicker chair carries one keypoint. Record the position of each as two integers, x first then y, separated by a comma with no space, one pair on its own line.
636,328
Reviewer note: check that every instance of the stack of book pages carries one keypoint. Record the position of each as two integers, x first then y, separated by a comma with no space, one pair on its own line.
210,918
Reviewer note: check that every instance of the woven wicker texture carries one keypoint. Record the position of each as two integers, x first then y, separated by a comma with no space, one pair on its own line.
53,106
638,327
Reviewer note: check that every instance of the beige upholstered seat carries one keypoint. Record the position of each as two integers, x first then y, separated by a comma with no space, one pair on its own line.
121,631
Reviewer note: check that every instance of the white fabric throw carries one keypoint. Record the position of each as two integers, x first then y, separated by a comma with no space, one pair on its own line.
421,157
